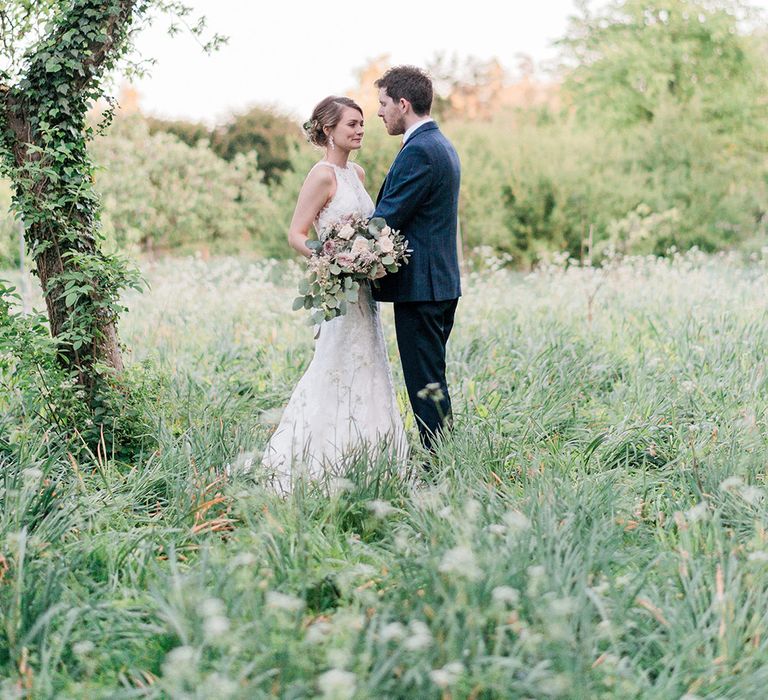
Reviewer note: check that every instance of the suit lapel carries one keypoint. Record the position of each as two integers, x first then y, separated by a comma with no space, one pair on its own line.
429,126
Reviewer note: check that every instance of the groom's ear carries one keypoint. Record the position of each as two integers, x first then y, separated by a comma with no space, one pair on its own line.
404,105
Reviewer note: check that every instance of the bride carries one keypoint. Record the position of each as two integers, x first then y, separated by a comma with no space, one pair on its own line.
344,406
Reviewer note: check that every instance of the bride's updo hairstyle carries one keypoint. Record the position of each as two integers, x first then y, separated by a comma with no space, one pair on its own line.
327,113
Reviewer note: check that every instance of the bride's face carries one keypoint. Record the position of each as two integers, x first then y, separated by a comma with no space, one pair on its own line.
391,114
348,133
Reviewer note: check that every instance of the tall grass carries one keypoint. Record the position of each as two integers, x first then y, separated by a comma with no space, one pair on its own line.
595,528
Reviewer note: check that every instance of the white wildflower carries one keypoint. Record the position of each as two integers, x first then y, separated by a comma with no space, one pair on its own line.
13,540
282,601
420,636
460,561
83,648
179,662
31,474
752,494
605,629
210,607
447,675
536,580
562,607
381,509
219,686
555,685
516,521
244,559
338,485
392,631
338,657
731,483
337,684
215,626
472,509
698,512
506,595
318,631
688,386
496,528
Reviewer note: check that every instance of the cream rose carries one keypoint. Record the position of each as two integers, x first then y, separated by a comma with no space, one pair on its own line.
346,232
386,244
359,246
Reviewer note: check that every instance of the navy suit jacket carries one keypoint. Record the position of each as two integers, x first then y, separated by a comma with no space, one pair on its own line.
420,198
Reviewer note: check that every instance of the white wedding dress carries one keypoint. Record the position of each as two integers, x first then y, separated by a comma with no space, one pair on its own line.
344,405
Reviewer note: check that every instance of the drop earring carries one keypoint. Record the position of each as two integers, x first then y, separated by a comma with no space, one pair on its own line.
333,145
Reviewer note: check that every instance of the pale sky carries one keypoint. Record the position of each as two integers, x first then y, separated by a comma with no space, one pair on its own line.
292,53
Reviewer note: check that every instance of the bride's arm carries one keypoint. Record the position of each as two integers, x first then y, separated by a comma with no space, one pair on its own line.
315,192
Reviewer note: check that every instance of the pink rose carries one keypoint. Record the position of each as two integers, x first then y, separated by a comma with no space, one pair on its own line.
345,260
329,247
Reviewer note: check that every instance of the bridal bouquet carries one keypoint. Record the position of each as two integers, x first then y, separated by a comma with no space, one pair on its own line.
353,250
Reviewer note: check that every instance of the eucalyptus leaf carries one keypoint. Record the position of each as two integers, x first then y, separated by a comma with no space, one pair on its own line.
298,303
375,225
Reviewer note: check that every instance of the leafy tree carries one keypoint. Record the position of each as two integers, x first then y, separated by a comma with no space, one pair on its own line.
57,54
190,133
269,133
633,58
161,194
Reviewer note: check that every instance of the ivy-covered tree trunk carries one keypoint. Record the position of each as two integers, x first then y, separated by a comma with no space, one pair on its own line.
43,135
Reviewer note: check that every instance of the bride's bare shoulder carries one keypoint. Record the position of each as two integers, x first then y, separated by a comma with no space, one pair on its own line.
321,172
360,172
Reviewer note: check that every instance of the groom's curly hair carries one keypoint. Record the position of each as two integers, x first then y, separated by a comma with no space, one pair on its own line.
410,83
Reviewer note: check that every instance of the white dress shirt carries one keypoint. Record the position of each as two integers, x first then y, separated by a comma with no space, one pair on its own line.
413,127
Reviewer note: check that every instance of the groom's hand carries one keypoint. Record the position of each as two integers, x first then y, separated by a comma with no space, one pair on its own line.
382,272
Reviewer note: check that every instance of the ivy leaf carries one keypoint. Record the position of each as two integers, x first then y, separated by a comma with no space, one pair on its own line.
52,65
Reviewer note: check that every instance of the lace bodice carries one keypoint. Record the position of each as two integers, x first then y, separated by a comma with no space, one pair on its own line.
350,198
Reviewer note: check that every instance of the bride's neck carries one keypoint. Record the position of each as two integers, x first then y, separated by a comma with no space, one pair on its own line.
337,156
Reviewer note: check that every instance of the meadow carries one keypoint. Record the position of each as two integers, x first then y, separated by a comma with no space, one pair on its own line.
595,527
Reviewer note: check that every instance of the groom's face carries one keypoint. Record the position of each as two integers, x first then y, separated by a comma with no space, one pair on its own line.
391,113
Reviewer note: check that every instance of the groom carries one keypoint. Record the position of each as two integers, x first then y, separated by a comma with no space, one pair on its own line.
420,198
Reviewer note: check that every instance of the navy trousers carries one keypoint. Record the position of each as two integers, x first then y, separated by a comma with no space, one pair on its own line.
422,329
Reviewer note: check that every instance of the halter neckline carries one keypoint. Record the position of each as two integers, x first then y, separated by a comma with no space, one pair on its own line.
333,165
